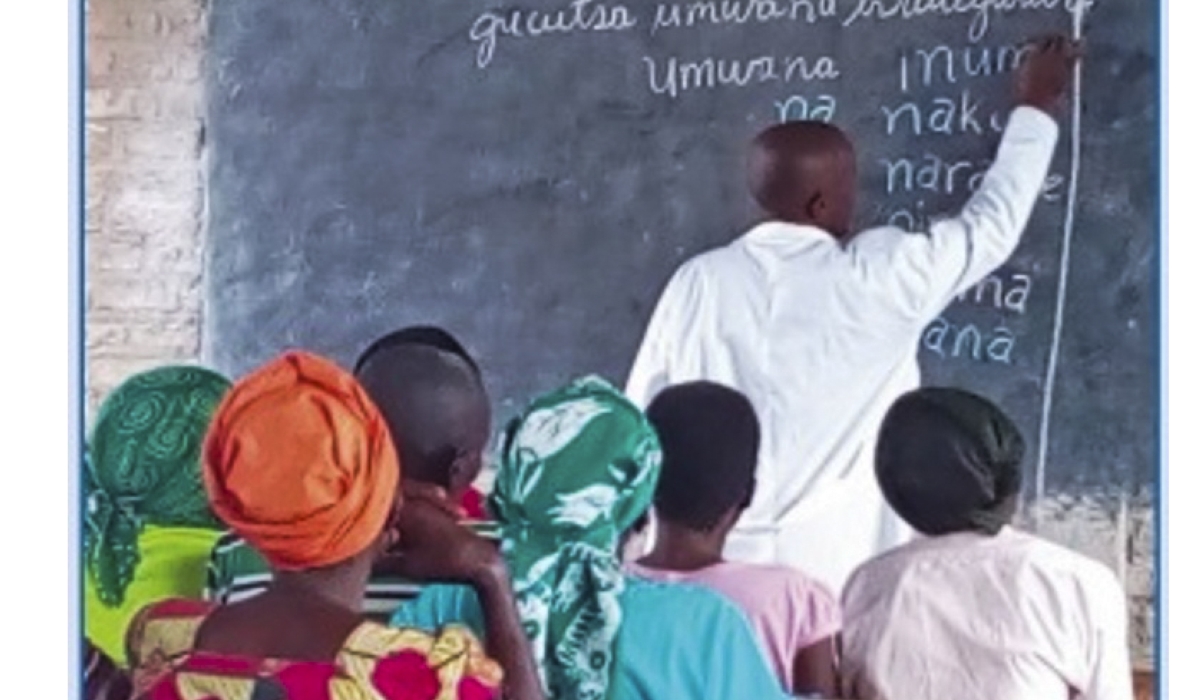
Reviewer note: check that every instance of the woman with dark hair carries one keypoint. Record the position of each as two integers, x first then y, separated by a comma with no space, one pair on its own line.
976,610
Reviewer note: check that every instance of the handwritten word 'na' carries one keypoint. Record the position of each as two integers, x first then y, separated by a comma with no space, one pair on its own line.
579,16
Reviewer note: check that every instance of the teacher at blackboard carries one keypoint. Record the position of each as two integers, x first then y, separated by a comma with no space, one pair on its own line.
818,324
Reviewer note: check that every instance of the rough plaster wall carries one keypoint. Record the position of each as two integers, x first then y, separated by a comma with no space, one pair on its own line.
143,233
1118,530
145,248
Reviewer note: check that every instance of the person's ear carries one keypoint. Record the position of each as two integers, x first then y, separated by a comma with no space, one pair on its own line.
816,206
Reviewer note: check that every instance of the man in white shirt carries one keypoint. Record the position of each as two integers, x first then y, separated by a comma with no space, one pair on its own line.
977,610
819,327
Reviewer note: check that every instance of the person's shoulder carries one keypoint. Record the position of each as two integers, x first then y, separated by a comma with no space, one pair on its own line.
881,239
660,599
777,579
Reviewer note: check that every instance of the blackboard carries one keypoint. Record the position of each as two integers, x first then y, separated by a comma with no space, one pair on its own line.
529,175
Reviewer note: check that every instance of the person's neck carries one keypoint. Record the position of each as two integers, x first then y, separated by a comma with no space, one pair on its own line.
342,585
678,548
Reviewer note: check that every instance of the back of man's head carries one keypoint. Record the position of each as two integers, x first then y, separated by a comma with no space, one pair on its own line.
804,172
432,396
710,437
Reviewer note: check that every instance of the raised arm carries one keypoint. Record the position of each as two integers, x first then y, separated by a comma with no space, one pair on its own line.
433,547
956,253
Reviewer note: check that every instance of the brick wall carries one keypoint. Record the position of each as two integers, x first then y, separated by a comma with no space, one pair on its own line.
144,245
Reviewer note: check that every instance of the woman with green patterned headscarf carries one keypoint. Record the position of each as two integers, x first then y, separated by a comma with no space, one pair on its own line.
577,468
148,530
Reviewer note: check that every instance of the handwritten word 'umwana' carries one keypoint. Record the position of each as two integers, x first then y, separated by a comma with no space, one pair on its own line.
579,16
944,339
717,12
924,67
981,9
674,76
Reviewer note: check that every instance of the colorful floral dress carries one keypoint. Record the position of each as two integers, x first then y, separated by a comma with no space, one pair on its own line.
375,663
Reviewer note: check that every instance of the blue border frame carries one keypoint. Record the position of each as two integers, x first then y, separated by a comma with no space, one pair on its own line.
76,266
75,291
1159,627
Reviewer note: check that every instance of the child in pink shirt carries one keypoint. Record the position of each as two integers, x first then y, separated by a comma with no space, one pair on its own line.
710,437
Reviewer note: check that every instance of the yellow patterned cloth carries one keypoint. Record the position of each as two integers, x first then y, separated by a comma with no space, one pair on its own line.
375,663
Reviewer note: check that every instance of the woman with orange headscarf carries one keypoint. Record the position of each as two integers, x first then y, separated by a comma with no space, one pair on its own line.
299,462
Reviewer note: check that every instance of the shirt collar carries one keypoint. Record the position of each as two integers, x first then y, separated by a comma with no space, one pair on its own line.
782,232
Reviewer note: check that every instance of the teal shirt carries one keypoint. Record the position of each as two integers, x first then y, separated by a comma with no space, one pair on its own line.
677,642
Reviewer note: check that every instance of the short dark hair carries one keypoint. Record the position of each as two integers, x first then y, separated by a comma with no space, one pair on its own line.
710,437
429,336
431,395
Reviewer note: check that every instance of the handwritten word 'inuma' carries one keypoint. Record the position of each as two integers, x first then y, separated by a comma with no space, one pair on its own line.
981,9
711,12
580,15
941,63
967,341
674,76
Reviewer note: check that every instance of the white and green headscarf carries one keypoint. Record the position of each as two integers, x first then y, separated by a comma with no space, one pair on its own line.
578,467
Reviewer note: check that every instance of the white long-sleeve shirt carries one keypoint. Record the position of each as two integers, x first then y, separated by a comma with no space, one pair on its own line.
972,617
822,338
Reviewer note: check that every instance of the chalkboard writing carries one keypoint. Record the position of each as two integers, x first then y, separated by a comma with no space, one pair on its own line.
528,175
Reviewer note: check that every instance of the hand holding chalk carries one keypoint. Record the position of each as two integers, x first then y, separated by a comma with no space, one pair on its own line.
1045,73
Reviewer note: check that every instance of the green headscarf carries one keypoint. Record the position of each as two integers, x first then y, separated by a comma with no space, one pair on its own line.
142,467
578,467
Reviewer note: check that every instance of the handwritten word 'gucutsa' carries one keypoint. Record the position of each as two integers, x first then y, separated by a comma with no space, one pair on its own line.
674,76
579,16
981,9
717,12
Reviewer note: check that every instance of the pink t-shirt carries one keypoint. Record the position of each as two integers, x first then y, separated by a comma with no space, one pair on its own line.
787,609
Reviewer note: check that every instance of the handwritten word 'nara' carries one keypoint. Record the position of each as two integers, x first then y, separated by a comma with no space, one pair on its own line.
579,16
982,10
674,76
967,341
934,174
924,67
735,12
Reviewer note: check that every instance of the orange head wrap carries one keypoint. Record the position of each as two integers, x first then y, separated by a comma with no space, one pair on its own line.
299,462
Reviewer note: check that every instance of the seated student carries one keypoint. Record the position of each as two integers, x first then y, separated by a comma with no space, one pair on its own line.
710,439
148,528
300,463
432,396
578,466
977,610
